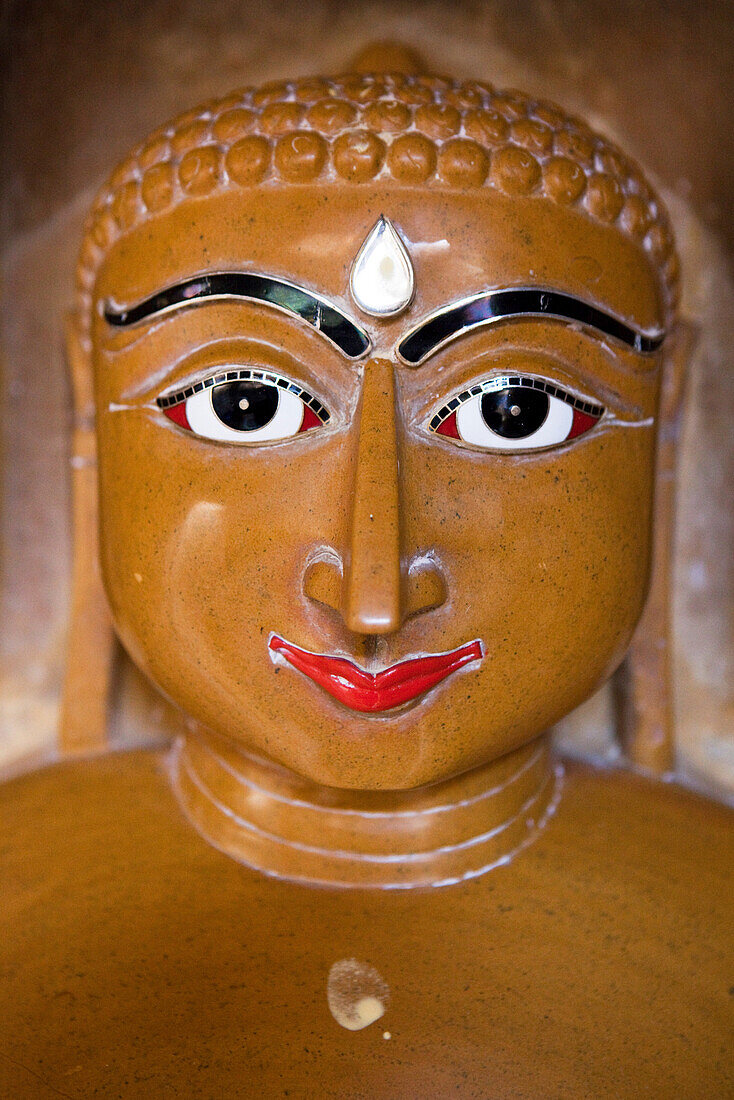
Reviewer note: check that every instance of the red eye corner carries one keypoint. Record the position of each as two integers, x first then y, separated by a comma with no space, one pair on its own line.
581,423
448,427
177,413
310,420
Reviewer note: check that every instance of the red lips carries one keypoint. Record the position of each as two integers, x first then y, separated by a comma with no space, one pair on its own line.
368,692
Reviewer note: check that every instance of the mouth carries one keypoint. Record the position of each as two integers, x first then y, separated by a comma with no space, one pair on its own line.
370,692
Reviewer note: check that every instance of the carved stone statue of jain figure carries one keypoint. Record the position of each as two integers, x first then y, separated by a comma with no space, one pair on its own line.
376,365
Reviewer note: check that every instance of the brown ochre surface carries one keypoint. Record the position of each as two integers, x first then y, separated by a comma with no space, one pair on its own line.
205,546
652,76
591,965
140,962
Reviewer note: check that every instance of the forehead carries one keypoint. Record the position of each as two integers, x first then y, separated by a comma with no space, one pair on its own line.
459,243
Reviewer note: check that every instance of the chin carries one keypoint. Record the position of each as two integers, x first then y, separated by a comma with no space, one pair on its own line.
388,759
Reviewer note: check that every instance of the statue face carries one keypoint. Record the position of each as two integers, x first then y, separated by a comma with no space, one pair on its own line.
378,561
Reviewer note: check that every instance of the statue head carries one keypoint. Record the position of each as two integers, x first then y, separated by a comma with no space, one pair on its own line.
376,366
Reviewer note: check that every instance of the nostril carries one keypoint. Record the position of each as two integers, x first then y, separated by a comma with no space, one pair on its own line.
426,588
322,582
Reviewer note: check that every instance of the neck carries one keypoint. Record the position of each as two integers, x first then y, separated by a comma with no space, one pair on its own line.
273,820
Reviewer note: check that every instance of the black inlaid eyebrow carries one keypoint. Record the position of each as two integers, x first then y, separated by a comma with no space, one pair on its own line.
499,305
316,311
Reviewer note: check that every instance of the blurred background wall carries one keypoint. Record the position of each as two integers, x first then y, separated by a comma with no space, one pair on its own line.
83,82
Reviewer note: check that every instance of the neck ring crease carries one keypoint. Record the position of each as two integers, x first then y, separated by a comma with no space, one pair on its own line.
287,827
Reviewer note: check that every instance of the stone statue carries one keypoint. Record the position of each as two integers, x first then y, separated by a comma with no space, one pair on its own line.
376,370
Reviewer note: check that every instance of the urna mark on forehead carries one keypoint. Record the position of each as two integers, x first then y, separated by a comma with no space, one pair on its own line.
382,284
362,132
466,261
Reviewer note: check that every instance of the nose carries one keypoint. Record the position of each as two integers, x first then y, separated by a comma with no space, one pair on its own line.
372,592
372,581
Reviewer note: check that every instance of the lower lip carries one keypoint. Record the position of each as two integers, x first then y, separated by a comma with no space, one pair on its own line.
371,693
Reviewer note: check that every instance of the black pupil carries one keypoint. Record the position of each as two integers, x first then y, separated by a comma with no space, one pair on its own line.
245,406
516,412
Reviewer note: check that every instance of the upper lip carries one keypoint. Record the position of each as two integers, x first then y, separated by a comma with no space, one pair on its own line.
370,692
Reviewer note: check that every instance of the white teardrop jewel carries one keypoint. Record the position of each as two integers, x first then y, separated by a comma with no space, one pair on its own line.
382,279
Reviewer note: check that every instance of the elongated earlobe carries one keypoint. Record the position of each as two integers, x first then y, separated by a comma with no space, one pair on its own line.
643,688
91,644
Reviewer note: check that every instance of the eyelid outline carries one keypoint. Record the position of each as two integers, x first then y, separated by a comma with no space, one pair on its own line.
246,374
505,381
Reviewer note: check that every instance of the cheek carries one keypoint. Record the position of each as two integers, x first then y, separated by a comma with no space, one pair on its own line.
546,560
202,546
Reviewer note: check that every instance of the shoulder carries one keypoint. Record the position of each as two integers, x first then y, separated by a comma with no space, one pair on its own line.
88,819
591,964
651,842
659,815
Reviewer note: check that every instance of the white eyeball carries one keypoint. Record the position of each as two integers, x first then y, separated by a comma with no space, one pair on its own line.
244,406
509,421
515,414
239,411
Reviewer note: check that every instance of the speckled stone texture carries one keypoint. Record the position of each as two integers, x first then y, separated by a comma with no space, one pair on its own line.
85,83
587,968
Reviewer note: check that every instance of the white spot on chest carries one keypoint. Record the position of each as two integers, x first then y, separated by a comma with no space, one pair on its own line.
356,993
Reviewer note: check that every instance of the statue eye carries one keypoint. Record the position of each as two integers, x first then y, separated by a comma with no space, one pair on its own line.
515,414
244,406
